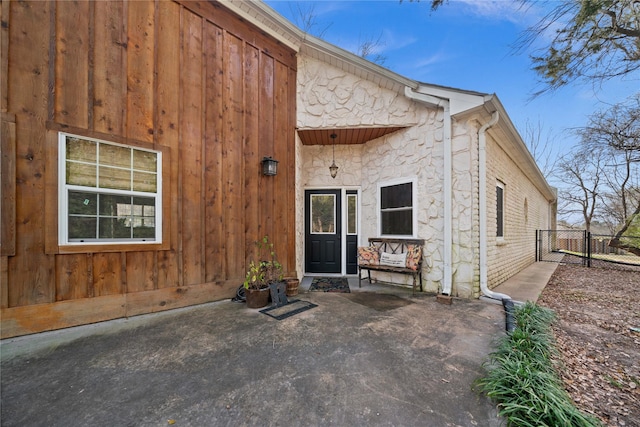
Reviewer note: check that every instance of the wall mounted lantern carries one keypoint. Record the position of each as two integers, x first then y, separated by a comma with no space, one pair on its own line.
269,166
333,169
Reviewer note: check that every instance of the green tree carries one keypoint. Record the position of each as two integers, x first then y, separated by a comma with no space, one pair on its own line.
593,41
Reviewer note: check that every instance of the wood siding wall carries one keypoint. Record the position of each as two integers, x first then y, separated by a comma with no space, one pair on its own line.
190,79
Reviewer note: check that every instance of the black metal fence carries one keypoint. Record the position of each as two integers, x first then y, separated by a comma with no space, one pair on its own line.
583,247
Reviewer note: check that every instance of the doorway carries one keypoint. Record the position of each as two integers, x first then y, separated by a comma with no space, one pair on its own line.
331,220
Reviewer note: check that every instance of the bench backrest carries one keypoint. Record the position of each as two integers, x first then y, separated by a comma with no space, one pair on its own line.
394,246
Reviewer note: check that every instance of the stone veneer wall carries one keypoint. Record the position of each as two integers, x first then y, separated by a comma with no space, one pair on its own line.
465,217
329,97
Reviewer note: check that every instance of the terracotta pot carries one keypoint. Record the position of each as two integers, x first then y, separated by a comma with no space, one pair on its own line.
257,298
292,287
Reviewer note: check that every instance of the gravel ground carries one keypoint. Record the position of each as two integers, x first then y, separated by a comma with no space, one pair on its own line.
598,335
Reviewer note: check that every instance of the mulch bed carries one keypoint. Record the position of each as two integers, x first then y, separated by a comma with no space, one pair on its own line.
597,312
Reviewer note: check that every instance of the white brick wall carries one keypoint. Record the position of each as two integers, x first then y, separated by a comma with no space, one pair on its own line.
525,210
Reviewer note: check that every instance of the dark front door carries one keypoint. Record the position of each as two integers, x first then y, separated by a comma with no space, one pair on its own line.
323,230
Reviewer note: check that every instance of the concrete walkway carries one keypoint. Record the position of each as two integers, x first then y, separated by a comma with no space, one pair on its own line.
529,283
375,357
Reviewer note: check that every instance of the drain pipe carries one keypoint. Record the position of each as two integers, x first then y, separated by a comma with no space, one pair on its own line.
443,103
482,172
507,302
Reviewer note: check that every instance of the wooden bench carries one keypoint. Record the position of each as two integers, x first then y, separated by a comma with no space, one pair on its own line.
387,254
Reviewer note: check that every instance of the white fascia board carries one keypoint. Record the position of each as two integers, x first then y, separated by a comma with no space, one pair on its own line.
264,17
459,100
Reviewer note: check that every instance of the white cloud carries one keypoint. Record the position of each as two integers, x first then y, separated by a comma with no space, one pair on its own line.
502,10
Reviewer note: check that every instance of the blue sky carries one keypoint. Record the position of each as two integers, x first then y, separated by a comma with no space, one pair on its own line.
466,44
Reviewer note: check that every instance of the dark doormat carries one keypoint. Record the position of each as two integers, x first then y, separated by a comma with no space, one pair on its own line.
378,302
330,284
293,307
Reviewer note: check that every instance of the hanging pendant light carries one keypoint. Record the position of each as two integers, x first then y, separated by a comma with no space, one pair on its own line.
333,169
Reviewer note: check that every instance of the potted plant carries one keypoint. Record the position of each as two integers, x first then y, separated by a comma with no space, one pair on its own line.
261,274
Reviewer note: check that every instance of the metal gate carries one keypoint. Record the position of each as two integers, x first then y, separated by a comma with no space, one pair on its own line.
554,245
582,247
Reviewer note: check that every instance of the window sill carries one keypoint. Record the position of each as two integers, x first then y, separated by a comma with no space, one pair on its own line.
121,247
501,242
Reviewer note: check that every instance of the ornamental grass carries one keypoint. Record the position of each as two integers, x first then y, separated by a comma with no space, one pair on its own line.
521,377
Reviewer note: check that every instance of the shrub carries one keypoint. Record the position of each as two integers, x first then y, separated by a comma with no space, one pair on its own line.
521,377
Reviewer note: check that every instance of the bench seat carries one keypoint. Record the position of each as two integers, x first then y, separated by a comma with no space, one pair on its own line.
386,255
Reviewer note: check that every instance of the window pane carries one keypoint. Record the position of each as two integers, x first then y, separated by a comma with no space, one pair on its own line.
351,214
323,213
118,179
143,181
144,218
113,155
81,227
397,222
81,203
116,206
396,196
81,174
145,161
499,211
81,150
115,228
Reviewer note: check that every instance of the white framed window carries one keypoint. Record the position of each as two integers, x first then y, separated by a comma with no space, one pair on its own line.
499,209
108,193
397,214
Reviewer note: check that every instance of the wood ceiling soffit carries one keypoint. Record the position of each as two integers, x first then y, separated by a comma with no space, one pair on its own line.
345,136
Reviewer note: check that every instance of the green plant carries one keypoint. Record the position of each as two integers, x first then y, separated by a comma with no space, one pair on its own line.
268,270
521,377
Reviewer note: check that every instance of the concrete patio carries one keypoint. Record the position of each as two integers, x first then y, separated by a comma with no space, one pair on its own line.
377,356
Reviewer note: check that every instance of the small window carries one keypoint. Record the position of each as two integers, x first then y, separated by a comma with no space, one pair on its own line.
500,210
352,214
323,213
109,193
396,209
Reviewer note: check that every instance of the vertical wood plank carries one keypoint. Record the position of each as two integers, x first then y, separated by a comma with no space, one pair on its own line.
232,177
4,282
191,149
30,271
71,277
4,55
167,262
109,67
140,50
213,226
7,185
167,134
252,154
141,271
267,107
107,274
51,194
291,172
281,150
72,63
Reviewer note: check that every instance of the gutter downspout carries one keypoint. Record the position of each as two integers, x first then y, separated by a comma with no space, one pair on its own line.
448,196
482,196
443,103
